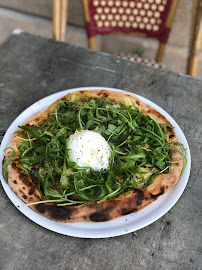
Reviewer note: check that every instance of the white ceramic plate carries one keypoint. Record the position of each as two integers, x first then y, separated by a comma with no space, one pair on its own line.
120,226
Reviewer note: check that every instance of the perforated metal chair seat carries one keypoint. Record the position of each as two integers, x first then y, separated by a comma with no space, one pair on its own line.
144,18
137,58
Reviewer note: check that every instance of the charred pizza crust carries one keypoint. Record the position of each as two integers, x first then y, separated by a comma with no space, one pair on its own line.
127,203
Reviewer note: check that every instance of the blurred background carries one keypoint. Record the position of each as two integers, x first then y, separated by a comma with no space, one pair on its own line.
35,16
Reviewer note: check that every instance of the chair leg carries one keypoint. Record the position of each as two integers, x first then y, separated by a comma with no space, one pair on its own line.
193,59
92,43
56,19
160,52
59,19
91,40
169,21
63,7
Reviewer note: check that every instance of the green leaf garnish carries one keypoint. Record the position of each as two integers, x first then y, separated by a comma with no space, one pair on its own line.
7,162
140,151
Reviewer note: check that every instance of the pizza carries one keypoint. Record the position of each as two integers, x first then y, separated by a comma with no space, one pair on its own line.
93,156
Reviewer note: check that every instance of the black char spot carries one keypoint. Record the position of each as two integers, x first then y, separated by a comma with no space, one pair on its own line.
15,182
23,176
25,180
139,196
31,191
99,216
103,93
41,208
169,129
24,196
102,215
59,212
171,136
154,196
127,212
14,165
4,159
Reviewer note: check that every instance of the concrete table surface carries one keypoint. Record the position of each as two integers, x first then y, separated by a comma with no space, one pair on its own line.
33,67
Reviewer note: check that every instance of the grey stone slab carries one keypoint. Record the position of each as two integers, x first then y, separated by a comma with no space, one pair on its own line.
33,67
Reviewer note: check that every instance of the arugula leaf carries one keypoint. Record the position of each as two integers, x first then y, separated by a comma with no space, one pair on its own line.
160,164
121,167
64,176
7,162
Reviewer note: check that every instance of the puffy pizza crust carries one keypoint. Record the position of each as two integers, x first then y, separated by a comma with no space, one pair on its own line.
126,203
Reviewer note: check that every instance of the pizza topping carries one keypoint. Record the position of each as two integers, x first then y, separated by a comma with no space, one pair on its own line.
8,162
89,149
128,151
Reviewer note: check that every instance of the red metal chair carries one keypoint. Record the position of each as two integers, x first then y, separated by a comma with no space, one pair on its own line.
144,18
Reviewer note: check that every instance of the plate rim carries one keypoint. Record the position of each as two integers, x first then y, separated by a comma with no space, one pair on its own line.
31,214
